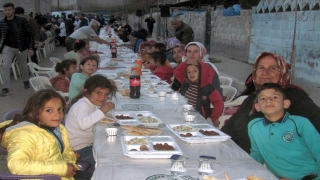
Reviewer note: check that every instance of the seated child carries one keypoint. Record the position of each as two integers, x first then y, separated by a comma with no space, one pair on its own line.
200,93
87,108
287,144
163,71
65,69
37,142
79,47
88,66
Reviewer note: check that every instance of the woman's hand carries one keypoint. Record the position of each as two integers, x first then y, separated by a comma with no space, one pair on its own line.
71,171
216,123
194,62
106,107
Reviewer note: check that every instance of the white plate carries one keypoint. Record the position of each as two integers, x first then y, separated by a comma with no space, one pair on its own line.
197,136
151,153
148,114
165,177
153,92
125,132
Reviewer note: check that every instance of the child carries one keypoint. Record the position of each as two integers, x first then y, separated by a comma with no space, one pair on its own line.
163,71
288,145
36,141
86,109
65,69
79,47
200,93
88,66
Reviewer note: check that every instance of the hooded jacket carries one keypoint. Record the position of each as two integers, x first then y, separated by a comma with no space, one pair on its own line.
34,151
207,94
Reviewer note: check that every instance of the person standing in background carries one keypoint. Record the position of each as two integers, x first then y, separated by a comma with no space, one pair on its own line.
19,11
76,23
150,21
83,21
17,39
69,25
184,32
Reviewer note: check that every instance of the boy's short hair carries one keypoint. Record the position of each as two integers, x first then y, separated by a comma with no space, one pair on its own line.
274,86
159,56
8,5
161,47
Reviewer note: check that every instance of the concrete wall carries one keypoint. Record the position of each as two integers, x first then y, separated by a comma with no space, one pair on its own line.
34,6
230,35
274,32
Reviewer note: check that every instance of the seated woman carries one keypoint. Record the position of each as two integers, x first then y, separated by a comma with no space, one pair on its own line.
139,37
195,52
163,71
37,142
177,53
270,68
87,67
171,43
200,93
89,107
65,69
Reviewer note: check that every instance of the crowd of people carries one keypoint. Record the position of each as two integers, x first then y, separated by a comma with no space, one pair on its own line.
277,124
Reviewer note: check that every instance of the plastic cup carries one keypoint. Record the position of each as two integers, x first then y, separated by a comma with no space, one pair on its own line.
189,118
111,131
162,94
187,107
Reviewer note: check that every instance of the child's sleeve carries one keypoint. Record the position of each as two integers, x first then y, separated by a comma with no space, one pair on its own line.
21,158
179,71
216,101
254,151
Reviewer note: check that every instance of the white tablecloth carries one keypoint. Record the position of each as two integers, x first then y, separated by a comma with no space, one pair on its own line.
113,165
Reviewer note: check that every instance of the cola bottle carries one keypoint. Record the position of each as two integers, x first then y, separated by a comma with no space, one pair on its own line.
114,51
135,85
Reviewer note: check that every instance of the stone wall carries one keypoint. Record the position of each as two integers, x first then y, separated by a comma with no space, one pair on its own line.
230,35
273,32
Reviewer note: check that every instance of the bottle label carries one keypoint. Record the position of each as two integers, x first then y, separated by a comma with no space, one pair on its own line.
135,82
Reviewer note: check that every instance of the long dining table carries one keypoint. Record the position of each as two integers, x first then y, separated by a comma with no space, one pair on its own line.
112,164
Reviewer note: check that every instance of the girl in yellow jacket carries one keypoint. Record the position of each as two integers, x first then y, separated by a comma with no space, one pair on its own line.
36,141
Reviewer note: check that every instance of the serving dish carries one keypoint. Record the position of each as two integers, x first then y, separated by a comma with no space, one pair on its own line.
184,130
149,151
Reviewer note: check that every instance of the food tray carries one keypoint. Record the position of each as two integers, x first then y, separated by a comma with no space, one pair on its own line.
151,152
152,77
198,137
153,92
148,114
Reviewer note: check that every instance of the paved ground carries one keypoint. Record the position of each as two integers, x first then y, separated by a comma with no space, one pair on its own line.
237,70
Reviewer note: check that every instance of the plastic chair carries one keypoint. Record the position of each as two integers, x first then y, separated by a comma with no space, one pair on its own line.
15,68
235,102
17,177
38,52
173,65
224,80
52,73
222,120
10,114
54,60
36,70
40,82
228,93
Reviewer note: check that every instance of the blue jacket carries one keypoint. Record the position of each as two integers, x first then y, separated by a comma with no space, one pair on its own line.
289,147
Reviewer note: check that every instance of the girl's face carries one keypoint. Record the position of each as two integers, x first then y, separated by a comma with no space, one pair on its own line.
193,73
52,113
177,54
193,53
99,96
89,67
72,69
81,50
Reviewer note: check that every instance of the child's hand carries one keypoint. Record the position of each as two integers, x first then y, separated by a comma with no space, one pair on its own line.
106,107
77,155
194,62
71,171
216,123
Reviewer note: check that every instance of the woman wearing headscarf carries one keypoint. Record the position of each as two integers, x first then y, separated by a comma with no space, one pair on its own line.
270,68
171,42
195,53
177,53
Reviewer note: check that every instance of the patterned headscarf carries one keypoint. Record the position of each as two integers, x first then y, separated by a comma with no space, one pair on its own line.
203,50
284,74
172,42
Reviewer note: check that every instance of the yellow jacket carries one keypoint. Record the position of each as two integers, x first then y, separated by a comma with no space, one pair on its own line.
35,151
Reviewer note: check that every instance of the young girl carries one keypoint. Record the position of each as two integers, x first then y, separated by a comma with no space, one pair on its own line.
78,47
36,141
65,69
163,71
88,66
87,108
200,93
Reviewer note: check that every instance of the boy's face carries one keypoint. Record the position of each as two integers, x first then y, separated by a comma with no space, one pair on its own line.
193,73
271,104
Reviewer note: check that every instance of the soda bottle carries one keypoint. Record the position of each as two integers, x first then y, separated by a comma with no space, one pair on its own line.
114,51
135,85
138,60
136,68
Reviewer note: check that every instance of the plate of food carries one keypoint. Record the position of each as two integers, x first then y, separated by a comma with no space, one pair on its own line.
137,107
140,131
198,133
165,177
150,146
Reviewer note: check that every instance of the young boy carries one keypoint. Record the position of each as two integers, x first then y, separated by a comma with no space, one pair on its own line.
288,145
163,71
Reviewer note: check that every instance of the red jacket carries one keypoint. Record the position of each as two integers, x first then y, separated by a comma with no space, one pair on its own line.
164,73
207,94
60,83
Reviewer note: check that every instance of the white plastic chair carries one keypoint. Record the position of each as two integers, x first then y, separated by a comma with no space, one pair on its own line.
228,93
222,120
54,60
224,80
173,65
52,73
15,69
235,102
42,82
36,70
214,67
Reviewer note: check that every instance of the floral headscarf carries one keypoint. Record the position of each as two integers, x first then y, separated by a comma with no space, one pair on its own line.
172,42
284,74
203,50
